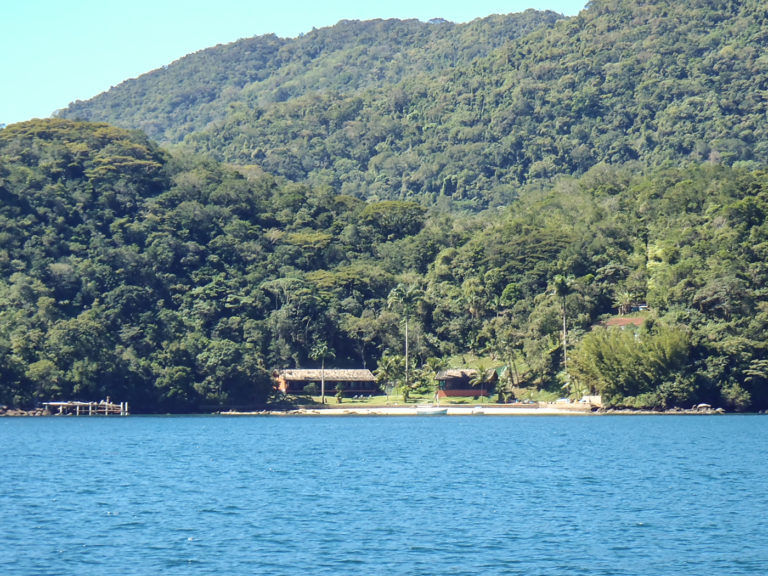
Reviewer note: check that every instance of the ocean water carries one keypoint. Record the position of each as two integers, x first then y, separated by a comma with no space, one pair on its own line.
611,495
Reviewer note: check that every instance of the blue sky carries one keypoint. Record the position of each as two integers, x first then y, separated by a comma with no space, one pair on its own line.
55,52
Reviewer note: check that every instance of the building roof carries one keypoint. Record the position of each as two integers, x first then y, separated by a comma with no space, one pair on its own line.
467,374
331,374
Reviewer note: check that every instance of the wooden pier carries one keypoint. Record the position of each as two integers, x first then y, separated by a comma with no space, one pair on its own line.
75,408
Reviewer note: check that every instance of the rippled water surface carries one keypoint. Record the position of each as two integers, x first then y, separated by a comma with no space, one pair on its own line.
384,495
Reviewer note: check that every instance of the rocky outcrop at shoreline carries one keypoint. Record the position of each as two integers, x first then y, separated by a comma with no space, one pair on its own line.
697,410
6,411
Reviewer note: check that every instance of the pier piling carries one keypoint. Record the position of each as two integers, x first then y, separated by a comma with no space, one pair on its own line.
77,408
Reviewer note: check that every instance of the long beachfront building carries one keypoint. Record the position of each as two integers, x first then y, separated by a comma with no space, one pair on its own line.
354,381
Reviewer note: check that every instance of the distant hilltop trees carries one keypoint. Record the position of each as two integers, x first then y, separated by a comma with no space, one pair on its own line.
465,113
178,283
530,177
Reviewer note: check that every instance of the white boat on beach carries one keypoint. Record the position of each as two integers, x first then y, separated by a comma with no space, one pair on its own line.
430,410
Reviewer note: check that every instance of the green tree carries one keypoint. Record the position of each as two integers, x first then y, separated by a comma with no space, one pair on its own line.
389,371
405,298
647,368
563,286
362,329
321,351
482,380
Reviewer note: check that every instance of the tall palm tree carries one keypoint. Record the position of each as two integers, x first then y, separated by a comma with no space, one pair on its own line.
321,351
563,286
481,380
405,298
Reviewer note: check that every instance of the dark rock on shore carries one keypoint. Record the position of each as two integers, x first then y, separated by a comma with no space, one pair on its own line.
6,411
696,410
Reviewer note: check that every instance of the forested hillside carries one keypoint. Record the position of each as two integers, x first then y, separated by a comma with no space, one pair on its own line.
430,117
177,283
514,189
259,72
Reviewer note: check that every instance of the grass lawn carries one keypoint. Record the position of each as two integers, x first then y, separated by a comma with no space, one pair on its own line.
394,400
380,400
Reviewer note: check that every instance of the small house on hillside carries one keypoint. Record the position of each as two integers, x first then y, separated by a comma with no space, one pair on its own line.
459,383
354,381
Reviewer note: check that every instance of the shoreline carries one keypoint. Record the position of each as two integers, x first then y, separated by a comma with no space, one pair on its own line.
477,410
416,411
426,410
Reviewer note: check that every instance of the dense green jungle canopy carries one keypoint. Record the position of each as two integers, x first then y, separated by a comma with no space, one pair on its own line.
177,283
465,113
488,182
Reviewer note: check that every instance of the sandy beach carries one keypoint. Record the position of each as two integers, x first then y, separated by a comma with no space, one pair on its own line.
541,409
532,410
